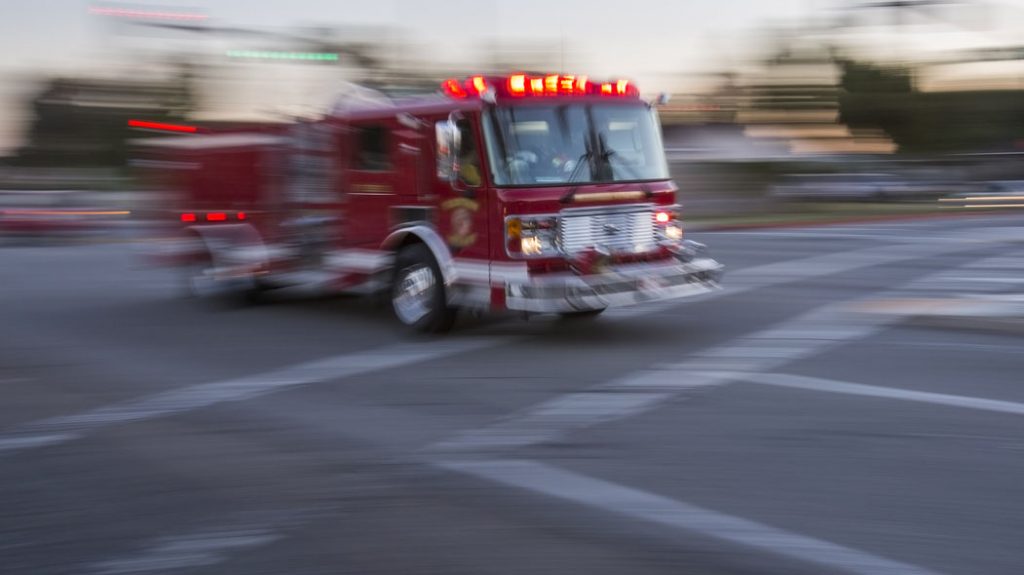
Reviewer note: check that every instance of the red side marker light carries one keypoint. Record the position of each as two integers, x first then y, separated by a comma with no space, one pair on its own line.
216,217
188,218
162,126
241,215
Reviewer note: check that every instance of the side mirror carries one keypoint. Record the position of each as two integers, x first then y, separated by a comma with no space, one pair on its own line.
662,99
448,150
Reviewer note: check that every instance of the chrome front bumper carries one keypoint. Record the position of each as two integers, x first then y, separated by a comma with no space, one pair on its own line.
625,285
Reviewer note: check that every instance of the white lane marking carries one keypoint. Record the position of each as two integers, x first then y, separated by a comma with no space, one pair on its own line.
649,388
794,270
553,418
819,234
807,335
834,386
62,429
200,549
30,441
637,504
66,428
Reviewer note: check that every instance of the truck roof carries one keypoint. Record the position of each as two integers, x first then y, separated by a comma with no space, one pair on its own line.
420,104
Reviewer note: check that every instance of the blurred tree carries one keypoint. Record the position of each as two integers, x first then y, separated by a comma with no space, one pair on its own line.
84,122
925,122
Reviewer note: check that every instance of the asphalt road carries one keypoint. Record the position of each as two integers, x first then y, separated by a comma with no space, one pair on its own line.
780,426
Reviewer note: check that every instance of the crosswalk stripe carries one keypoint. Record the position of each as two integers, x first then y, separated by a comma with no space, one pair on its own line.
62,429
652,508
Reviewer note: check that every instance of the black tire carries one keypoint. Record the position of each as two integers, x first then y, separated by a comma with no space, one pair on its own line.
418,297
582,315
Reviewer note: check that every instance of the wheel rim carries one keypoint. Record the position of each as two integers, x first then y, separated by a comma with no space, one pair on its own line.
414,294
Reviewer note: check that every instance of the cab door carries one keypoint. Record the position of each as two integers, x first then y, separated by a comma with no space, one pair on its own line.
463,196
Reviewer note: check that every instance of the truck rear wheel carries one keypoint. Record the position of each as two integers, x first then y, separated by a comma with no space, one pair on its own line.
199,280
201,283
417,293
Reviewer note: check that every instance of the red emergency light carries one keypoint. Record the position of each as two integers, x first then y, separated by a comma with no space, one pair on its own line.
548,85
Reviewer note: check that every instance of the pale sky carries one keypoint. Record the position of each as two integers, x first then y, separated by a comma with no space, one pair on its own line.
653,41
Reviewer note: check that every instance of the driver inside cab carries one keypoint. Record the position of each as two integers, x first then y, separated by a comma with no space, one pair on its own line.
469,160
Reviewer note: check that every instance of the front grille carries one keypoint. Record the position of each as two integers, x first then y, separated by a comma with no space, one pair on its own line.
629,229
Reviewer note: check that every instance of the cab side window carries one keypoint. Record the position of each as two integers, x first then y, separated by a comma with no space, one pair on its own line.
372,149
469,159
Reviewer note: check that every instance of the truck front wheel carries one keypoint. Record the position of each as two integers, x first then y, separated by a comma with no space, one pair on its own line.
417,293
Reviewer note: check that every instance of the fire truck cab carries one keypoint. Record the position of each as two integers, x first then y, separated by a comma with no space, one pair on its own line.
531,193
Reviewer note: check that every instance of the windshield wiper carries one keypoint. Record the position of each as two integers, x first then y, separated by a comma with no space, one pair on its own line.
607,153
585,157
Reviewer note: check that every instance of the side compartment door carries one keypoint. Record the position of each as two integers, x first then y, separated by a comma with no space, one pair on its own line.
416,196
372,186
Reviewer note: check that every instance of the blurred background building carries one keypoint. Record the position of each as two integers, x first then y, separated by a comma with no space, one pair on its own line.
888,94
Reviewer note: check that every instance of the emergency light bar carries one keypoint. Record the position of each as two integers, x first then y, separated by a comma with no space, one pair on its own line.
549,85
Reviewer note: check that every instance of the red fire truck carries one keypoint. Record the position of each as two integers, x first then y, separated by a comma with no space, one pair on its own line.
532,193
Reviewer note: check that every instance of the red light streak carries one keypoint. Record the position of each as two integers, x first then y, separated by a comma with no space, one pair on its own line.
162,126
188,218
216,217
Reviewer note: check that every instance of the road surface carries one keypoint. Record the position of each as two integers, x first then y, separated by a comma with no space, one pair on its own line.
789,424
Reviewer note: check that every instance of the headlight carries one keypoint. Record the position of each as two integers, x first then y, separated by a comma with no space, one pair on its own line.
669,229
531,236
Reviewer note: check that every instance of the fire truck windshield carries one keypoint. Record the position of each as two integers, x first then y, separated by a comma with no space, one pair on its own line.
543,145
